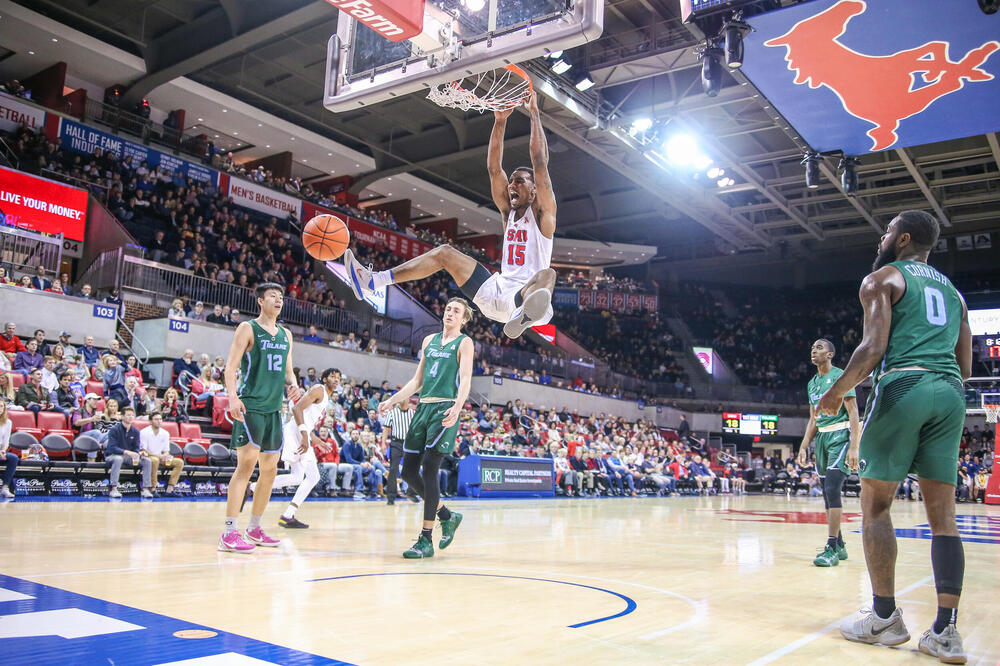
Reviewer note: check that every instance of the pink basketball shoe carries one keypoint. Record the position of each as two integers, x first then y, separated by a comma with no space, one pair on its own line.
232,542
256,536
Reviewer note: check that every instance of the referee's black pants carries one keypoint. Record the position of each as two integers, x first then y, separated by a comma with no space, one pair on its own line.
395,456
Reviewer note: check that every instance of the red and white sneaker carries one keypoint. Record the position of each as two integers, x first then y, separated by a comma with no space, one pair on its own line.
232,542
257,536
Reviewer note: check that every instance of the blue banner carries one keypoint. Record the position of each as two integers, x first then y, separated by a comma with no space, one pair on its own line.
83,139
565,298
867,76
105,311
178,325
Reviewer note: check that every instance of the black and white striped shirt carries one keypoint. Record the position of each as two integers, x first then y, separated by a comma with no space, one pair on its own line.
399,421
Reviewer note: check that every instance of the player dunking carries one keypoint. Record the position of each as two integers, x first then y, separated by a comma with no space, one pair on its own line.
917,339
837,438
297,450
443,378
263,351
521,294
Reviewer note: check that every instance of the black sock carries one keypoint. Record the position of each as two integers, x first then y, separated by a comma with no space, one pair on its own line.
831,542
883,606
945,617
444,513
427,533
840,539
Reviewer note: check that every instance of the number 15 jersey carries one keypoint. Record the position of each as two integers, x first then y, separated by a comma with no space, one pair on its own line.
925,322
525,250
262,387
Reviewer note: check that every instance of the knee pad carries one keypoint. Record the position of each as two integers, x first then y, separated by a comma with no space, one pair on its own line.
833,482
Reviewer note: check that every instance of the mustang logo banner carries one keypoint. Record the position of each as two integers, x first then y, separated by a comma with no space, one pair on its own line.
868,76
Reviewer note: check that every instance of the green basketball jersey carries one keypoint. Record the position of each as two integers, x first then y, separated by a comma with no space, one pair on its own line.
925,322
262,387
819,385
441,368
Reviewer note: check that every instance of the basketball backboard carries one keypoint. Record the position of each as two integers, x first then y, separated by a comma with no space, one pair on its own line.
459,38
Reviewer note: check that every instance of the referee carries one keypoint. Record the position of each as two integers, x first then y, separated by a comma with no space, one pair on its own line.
398,421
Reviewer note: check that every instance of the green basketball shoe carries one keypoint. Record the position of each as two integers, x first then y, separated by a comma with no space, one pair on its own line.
421,549
828,558
448,529
842,552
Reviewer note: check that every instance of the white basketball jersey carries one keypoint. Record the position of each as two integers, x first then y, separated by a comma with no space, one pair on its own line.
313,413
525,250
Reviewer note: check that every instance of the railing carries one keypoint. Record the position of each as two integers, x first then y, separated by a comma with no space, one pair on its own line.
8,155
144,358
647,40
83,184
114,268
124,121
23,250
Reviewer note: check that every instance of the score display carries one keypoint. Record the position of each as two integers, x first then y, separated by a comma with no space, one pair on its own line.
739,423
988,346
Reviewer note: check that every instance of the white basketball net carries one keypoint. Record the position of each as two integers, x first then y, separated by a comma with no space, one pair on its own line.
992,413
496,90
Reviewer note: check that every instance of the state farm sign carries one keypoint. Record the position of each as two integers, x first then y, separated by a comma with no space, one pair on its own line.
396,20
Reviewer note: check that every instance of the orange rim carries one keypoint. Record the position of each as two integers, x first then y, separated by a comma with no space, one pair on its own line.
524,75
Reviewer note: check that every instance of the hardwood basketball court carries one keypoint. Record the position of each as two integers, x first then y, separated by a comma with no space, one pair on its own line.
674,580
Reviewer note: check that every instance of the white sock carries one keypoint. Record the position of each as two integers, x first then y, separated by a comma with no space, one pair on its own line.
254,523
289,512
382,278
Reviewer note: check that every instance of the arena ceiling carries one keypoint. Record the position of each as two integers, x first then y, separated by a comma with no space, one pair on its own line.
272,55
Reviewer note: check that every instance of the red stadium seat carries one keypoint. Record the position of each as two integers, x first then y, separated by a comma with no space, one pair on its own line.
94,386
57,447
172,429
16,379
190,431
48,421
101,405
21,420
219,420
140,423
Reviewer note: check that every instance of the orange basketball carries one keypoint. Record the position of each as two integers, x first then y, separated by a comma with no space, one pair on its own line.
326,237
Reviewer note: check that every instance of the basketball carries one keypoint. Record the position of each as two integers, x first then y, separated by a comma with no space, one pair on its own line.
326,237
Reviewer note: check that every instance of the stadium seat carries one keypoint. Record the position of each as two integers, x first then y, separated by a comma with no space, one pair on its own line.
190,431
84,445
140,423
21,420
195,454
21,440
94,386
172,429
48,421
219,419
16,380
175,450
57,446
219,454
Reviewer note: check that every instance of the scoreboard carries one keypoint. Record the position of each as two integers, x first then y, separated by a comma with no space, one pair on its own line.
988,346
739,423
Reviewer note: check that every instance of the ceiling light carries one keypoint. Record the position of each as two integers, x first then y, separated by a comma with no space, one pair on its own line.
716,172
555,55
711,70
268,146
642,124
585,83
236,133
31,53
201,120
54,39
681,149
225,110
305,161
260,124
329,154
474,5
735,29
725,182
849,179
561,67
811,162
702,162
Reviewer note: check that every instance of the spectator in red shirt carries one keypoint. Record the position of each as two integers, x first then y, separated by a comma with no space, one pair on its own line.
329,461
10,344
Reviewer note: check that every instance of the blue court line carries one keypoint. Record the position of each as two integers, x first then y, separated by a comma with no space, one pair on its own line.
630,604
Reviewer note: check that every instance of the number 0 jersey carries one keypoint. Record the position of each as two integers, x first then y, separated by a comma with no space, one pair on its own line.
525,250
925,322
262,387
440,378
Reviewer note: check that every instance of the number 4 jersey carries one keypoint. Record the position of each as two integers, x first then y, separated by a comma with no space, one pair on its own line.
925,322
262,387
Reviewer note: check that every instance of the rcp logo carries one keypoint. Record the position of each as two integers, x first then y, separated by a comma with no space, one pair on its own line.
901,70
492,475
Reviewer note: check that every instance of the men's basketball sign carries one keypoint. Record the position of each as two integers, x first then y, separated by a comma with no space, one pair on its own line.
867,76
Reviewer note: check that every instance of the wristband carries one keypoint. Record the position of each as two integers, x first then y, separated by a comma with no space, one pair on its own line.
303,427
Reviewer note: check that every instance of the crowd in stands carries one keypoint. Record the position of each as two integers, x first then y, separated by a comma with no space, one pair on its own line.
605,281
15,88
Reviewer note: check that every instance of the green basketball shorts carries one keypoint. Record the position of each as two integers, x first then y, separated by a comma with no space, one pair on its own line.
426,431
831,451
914,425
260,430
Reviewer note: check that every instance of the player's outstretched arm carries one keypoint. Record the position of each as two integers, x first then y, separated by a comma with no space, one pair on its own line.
876,302
494,164
466,352
539,149
241,343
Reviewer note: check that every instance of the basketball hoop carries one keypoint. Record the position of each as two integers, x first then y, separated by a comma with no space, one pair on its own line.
495,90
992,412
